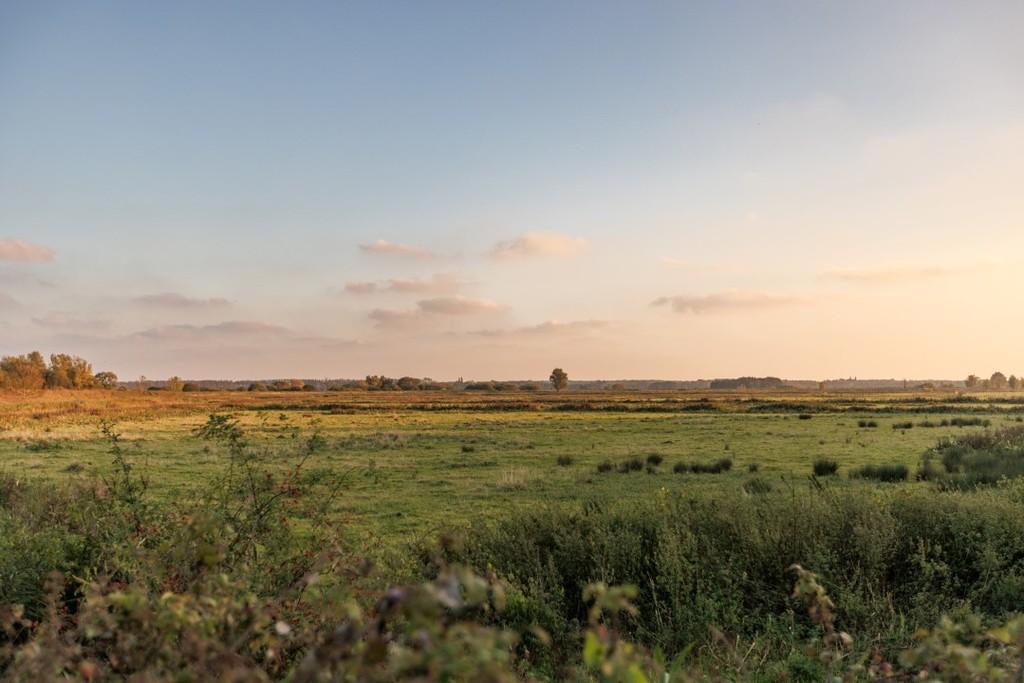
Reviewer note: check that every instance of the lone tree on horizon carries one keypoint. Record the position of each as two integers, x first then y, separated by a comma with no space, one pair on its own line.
559,379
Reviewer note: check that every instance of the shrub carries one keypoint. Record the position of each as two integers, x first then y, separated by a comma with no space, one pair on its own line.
804,416
655,459
631,465
894,562
975,459
753,467
713,467
867,424
903,425
605,466
824,467
885,473
564,460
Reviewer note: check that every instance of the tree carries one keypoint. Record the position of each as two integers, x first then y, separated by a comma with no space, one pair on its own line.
69,372
972,381
24,372
559,379
998,381
106,380
175,384
1013,383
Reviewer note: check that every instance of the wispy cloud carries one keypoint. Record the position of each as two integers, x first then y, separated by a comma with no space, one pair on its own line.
432,309
441,283
458,305
890,275
532,244
233,329
384,247
59,320
19,250
725,302
550,328
180,301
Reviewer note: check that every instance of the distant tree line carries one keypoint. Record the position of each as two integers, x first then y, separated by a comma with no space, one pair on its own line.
997,382
748,383
31,371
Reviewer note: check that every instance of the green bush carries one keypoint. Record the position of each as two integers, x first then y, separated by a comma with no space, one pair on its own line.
824,467
892,560
975,459
887,473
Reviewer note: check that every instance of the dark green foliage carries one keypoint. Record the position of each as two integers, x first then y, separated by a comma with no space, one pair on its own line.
867,424
655,459
804,416
975,459
902,425
886,473
631,465
967,422
890,561
713,467
753,467
605,466
564,460
824,467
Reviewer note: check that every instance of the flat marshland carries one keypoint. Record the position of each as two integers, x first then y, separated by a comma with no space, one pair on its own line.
229,532
416,463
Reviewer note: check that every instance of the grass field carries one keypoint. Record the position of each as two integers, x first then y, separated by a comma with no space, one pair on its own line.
415,463
552,496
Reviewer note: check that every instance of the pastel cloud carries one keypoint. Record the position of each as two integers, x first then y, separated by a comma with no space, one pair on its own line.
386,248
431,309
725,302
19,250
458,305
59,320
538,244
441,283
180,301
548,328
889,276
7,302
233,329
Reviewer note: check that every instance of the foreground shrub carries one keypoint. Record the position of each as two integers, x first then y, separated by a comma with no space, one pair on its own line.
824,467
655,459
867,424
893,560
885,473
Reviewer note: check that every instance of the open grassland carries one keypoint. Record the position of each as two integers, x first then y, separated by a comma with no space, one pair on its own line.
415,463
238,536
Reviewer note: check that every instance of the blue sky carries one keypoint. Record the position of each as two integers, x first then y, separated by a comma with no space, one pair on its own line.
203,175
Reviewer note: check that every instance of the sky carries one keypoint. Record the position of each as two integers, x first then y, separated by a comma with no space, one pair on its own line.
668,190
